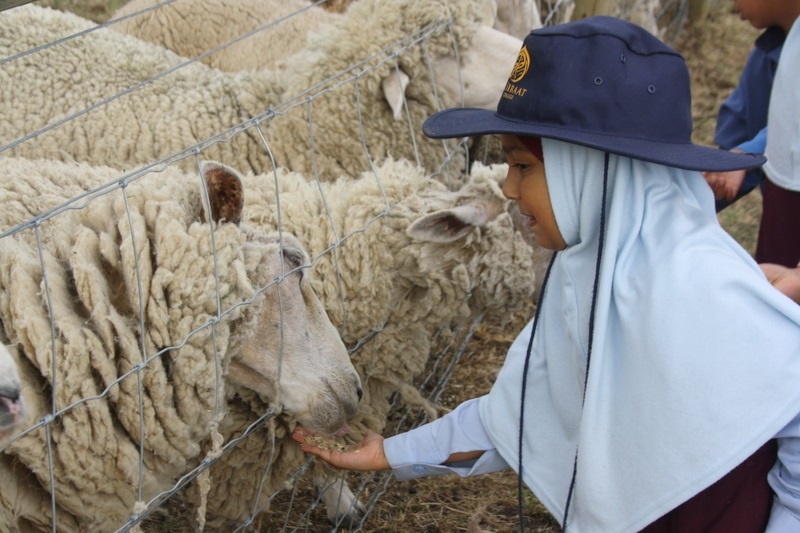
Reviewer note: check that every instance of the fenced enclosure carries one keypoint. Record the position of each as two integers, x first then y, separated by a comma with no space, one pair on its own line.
139,394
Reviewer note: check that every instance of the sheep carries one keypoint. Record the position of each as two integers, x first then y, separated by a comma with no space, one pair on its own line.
275,29
380,110
438,249
517,17
162,320
175,26
414,262
417,270
197,104
191,28
12,404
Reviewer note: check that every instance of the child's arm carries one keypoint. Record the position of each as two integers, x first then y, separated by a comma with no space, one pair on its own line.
455,443
726,185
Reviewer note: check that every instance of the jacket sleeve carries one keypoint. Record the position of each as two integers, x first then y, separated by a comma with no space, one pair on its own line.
756,145
423,451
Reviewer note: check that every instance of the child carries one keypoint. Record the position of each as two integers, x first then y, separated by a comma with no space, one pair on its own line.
742,118
779,233
638,397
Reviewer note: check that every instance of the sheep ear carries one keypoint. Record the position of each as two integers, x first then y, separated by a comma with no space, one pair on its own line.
394,90
449,225
225,192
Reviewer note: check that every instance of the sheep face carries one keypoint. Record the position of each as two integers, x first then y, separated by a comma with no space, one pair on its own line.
296,355
498,263
12,406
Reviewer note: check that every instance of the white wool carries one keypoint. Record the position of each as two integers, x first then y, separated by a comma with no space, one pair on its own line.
642,12
401,276
382,265
193,27
156,120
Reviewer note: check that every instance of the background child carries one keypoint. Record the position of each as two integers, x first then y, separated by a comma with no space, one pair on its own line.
742,118
779,232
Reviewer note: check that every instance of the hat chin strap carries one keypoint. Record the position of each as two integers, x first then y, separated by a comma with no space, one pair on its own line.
600,246
524,384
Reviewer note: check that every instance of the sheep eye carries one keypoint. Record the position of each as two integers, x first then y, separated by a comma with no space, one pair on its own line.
294,258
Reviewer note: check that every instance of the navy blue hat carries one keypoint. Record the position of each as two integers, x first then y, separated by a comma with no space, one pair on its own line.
600,82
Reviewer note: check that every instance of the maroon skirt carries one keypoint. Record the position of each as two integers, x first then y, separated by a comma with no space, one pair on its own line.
740,502
779,233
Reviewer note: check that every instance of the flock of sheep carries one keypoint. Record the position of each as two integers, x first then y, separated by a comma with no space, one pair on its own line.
190,246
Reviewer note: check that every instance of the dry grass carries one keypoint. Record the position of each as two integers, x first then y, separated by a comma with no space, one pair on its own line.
485,503
715,51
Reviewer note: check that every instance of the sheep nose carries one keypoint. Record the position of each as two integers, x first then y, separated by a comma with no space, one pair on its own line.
359,392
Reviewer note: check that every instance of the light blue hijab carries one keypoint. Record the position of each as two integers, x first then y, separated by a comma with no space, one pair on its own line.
694,361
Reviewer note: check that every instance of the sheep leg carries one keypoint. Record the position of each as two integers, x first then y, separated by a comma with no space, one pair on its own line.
342,506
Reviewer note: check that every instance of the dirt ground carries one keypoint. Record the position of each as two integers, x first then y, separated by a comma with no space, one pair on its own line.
715,50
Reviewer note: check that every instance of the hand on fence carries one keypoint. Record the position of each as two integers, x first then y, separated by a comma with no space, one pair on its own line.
367,455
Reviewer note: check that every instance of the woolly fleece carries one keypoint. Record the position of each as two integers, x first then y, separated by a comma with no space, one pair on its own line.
193,27
174,112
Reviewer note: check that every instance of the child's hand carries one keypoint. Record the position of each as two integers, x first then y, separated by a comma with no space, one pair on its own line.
365,456
725,184
785,279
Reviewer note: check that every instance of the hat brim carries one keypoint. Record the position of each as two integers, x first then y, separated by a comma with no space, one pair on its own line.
468,122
